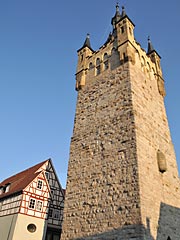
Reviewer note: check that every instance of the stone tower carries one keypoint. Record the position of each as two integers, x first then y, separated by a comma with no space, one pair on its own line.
122,176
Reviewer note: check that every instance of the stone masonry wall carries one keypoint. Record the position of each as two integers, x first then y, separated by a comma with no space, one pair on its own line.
152,132
102,189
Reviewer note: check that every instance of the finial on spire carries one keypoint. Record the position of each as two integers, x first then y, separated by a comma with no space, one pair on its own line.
117,7
123,11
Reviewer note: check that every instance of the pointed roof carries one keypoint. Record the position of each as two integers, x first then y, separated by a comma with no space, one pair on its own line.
117,16
21,180
86,43
151,48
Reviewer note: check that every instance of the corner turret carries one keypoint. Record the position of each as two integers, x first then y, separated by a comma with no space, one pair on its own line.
155,58
83,53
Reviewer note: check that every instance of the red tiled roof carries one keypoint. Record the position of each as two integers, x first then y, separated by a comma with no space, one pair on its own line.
20,180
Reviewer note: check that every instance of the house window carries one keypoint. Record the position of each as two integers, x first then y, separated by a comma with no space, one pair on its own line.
39,184
47,175
39,205
56,214
50,213
31,228
52,192
32,203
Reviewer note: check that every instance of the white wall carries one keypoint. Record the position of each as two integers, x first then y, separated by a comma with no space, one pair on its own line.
21,231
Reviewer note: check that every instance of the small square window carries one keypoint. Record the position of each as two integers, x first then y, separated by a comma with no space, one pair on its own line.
39,184
39,205
32,203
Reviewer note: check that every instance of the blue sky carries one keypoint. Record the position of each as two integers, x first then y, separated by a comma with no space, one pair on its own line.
38,44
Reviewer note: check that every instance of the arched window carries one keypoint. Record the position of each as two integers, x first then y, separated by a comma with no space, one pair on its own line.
113,51
97,61
98,67
153,70
148,67
143,61
106,62
105,56
168,238
122,29
130,31
90,65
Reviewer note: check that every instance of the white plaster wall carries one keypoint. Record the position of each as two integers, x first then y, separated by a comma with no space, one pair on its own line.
21,231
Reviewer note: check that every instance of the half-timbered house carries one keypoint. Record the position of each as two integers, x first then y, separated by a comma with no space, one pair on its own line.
31,204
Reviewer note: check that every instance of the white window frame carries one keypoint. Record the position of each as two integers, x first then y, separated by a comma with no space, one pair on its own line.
39,184
39,205
33,204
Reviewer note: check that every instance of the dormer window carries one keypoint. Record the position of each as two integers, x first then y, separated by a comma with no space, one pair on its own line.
39,184
1,190
7,187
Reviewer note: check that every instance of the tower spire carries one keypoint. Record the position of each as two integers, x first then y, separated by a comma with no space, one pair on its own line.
150,46
117,16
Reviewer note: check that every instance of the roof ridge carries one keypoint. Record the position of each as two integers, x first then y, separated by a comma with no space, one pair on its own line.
25,170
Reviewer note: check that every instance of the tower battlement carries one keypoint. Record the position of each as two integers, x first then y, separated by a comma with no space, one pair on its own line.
120,47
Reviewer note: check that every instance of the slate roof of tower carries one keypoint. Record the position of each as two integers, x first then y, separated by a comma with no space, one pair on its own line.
151,48
117,15
87,43
21,180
